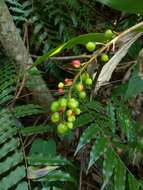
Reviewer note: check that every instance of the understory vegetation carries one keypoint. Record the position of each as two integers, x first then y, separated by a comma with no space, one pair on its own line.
71,118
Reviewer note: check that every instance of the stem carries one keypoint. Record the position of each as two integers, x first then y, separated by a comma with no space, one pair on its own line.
101,50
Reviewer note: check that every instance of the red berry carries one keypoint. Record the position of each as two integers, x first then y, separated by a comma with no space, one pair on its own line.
76,64
61,90
68,82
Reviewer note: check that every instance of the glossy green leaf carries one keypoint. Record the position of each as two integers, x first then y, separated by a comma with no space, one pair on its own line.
89,134
98,149
131,6
120,176
82,39
108,167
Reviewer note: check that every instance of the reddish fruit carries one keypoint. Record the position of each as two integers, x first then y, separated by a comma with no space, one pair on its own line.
79,87
61,90
62,128
76,64
68,82
61,85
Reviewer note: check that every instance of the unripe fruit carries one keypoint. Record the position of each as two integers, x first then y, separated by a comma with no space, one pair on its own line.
104,58
62,128
71,118
76,64
82,95
79,87
55,106
77,111
90,46
55,117
84,76
61,85
70,125
69,112
108,33
63,102
72,103
88,81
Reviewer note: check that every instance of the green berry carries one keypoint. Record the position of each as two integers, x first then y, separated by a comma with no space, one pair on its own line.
55,117
63,102
69,112
84,76
90,46
73,103
88,81
55,106
77,111
82,95
79,87
108,33
71,118
61,85
62,128
70,125
104,57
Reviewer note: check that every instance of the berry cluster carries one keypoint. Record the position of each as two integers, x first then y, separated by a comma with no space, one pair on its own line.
64,113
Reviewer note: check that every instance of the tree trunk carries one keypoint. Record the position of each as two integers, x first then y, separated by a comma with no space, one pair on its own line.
15,49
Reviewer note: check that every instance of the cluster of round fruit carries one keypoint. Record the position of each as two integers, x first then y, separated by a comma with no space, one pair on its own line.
64,113
80,86
67,82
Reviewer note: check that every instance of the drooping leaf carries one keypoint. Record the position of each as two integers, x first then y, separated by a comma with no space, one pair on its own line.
120,176
82,39
89,134
131,6
110,66
108,167
98,149
133,183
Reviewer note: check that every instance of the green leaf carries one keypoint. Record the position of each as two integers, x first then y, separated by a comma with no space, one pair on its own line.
111,117
43,147
120,176
57,175
83,120
40,160
133,183
27,131
108,167
98,149
135,85
131,6
82,39
89,134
